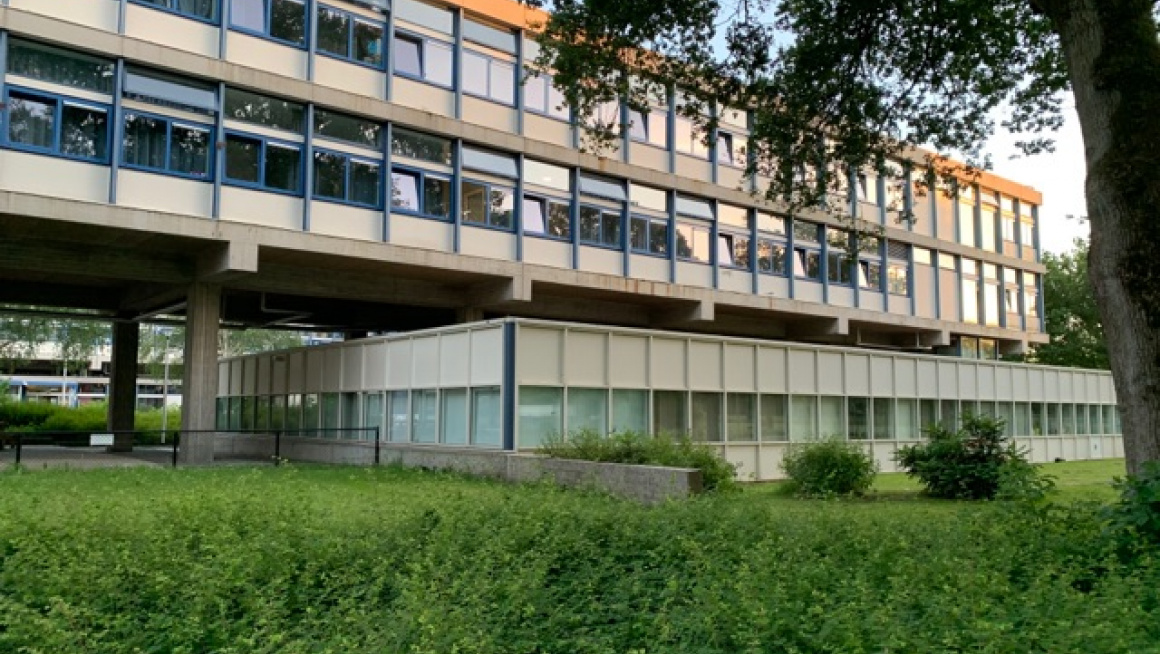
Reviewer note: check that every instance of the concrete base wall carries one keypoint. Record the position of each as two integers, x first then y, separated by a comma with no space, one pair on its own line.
648,484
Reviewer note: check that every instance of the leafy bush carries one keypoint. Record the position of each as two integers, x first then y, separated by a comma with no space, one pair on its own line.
1134,520
638,448
974,463
24,415
829,467
43,417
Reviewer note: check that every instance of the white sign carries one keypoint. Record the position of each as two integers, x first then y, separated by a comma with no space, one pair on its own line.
100,439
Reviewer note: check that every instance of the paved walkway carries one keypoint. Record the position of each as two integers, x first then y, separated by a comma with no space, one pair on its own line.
36,457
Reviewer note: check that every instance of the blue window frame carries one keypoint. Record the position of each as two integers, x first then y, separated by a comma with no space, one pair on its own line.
649,235
542,97
350,37
344,178
279,20
420,193
57,125
599,226
263,163
203,10
487,205
160,144
547,216
424,59
488,77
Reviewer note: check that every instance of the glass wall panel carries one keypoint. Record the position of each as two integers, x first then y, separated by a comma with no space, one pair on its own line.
906,424
373,417
803,418
293,412
262,413
1038,425
399,421
1095,419
425,416
774,418
630,411
351,416
929,414
1022,426
742,417
669,413
1067,421
60,66
587,410
1054,428
831,417
883,418
310,415
949,414
486,417
330,415
541,415
1004,411
453,422
858,418
706,417
1109,419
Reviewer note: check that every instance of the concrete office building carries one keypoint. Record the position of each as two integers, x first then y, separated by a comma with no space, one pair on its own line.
387,166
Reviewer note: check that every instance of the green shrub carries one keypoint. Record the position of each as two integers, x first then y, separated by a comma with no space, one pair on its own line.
974,463
24,415
829,467
1134,520
638,448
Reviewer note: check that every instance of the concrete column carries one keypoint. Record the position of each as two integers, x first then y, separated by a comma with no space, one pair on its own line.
200,379
123,384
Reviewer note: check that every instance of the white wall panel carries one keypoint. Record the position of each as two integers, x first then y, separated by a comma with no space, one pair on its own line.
968,381
171,30
807,291
948,379
425,361
487,356
423,96
315,370
745,458
695,274
546,252
354,360
803,372
740,368
882,376
601,260
375,365
296,375
332,368
539,354
771,370
1067,386
1036,384
776,286
548,130
249,376
267,55
489,114
667,361
842,296
650,268
41,175
455,359
278,370
906,377
101,14
705,372
1020,384
831,373
737,281
353,78
422,233
928,379
586,358
223,378
400,355
629,361
164,193
986,382
333,219
265,369
245,205
857,374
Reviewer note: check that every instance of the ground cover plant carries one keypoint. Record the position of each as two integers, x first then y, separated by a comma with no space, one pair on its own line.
639,448
317,559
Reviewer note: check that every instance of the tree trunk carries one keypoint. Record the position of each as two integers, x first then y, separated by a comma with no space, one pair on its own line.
1113,59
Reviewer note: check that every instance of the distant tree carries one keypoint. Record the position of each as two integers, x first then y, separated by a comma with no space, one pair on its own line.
20,336
236,342
1073,320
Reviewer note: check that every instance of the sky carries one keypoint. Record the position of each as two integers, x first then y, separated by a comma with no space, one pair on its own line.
1058,175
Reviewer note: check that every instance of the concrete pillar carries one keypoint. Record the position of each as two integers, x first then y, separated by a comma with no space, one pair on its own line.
123,384
200,378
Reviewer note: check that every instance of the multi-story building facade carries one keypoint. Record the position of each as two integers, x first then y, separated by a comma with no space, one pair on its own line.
389,164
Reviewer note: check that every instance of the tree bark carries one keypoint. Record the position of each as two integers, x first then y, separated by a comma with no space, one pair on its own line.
1113,59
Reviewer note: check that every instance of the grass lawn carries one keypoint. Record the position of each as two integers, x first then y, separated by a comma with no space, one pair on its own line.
325,559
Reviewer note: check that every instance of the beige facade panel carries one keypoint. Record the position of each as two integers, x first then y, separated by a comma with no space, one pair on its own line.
262,54
628,357
245,205
351,78
99,14
667,363
842,296
345,221
41,175
857,375
425,362
169,29
164,193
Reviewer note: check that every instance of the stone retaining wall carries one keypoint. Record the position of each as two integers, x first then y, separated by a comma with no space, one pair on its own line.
648,484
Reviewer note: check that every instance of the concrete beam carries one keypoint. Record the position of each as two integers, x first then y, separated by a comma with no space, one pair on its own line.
80,262
819,329
284,279
515,289
935,339
702,311
147,300
228,261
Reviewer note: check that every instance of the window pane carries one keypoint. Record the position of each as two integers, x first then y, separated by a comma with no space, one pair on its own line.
883,418
742,417
288,21
347,128
858,418
536,93
365,182
503,82
329,175
587,410
541,415
146,140
906,419
557,104
804,418
486,417
602,188
502,206
474,198
438,65
774,418
437,197
669,416
330,415
533,215
453,422
372,418
559,220
333,32
398,417
263,110
408,57
830,414
293,412
31,120
351,417
59,66
490,162
405,191
248,14
638,233
189,151
610,229
706,416
542,174
658,237
421,146
424,416
242,158
84,132
589,224
475,68
163,90
630,411
368,43
283,167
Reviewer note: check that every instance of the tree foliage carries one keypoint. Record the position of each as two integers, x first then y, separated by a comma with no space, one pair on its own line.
1073,320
